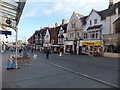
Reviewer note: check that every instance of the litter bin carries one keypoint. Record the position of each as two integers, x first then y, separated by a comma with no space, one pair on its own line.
10,63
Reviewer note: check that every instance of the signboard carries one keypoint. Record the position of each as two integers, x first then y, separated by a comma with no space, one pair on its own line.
92,43
5,32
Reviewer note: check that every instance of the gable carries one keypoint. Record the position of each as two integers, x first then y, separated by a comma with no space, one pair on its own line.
92,15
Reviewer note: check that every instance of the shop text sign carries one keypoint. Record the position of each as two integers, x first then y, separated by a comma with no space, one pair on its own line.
92,43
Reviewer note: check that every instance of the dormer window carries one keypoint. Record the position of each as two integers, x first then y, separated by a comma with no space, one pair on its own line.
90,22
95,21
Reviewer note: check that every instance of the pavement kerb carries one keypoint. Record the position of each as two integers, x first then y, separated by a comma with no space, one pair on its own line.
84,75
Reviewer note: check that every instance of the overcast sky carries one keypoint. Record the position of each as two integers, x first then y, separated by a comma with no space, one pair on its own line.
42,13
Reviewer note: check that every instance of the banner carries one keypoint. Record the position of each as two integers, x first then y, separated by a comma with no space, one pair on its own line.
92,43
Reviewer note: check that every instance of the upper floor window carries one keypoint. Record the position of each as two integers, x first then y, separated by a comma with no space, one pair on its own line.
85,35
96,35
77,34
47,36
73,25
117,27
95,21
118,10
90,22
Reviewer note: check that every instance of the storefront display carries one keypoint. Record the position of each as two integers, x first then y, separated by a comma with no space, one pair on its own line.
92,48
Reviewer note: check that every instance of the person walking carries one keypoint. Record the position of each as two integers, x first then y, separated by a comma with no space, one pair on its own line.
60,51
47,54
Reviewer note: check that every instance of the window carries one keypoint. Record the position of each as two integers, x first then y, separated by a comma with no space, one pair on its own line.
90,22
96,35
77,34
73,25
118,10
117,27
47,36
92,36
85,35
95,21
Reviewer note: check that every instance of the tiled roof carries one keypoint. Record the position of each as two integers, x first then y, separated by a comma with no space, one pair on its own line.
79,15
63,26
94,27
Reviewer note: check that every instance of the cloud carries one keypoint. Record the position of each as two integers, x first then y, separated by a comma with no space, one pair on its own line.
66,7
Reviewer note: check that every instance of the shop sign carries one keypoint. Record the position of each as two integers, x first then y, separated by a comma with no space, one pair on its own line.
92,43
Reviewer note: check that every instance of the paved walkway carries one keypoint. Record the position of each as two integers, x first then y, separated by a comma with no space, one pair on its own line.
43,75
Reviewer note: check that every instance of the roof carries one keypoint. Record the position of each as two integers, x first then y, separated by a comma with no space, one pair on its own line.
109,11
60,36
83,20
13,10
103,13
79,15
64,26
117,20
94,27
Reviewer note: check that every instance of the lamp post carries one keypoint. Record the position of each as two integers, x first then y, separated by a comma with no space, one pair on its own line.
80,47
75,40
16,54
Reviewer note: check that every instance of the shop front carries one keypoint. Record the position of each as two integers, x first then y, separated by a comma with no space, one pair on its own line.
92,48
68,47
55,48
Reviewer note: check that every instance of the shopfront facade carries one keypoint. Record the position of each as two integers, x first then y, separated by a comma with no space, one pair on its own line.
93,48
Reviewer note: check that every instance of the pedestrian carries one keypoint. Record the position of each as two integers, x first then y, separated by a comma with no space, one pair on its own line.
47,54
32,50
60,51
20,50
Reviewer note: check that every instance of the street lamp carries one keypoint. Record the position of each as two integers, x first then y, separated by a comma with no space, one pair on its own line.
75,40
79,45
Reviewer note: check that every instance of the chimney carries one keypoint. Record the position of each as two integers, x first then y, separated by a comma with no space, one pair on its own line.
112,2
63,21
56,24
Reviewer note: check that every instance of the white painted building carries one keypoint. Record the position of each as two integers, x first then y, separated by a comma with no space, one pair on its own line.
47,39
74,32
97,25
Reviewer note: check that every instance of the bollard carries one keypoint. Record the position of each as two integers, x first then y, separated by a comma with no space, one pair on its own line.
35,56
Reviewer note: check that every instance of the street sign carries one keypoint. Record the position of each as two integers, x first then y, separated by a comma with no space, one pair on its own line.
5,32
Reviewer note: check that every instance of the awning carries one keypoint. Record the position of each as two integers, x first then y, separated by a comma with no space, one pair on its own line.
10,12
94,27
68,42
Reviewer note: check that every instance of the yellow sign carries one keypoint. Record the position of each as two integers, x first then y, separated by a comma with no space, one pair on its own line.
92,43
